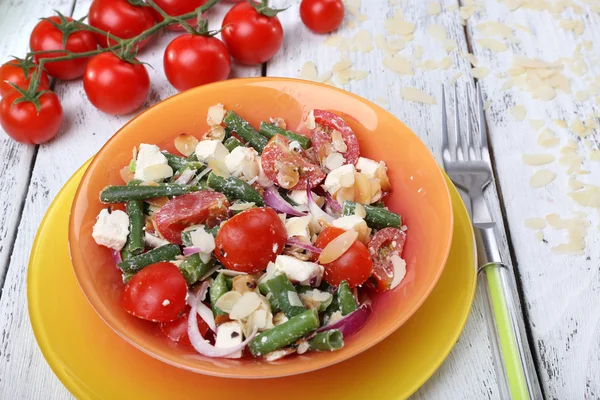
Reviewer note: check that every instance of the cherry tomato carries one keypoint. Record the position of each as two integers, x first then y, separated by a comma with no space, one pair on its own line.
194,60
279,161
322,16
203,207
354,266
121,19
46,36
250,240
383,246
25,124
326,123
11,72
175,8
177,330
115,86
156,293
252,38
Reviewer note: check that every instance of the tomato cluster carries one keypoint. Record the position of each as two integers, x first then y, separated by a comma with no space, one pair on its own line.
114,81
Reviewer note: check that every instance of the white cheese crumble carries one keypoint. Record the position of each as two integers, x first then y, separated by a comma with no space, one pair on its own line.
151,164
298,226
229,334
299,271
242,161
111,229
368,167
166,302
207,150
339,178
204,241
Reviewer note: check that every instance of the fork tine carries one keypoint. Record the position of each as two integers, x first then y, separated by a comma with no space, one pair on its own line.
485,152
471,153
457,142
446,155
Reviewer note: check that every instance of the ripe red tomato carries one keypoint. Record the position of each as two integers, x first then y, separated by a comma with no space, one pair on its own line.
11,72
156,293
115,86
177,330
383,246
277,157
326,122
322,16
252,38
193,208
25,124
194,60
354,266
121,19
250,240
46,36
175,8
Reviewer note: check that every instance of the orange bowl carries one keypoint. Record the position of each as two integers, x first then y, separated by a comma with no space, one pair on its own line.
419,194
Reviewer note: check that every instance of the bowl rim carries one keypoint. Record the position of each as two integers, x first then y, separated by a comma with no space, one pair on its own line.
383,333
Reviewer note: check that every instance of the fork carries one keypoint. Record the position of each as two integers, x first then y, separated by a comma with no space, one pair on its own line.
469,167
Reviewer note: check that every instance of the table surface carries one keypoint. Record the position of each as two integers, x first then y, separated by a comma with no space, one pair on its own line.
557,265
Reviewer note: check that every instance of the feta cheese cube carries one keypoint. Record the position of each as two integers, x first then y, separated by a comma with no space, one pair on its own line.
242,162
207,150
150,161
368,167
111,229
204,241
229,334
334,160
300,197
298,226
356,223
339,178
299,271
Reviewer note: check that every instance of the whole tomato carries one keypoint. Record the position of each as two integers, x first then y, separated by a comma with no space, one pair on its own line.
115,86
193,60
322,16
121,19
14,72
175,8
251,37
25,124
45,36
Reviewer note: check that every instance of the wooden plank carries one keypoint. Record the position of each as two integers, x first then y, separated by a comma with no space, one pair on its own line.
561,291
24,374
468,372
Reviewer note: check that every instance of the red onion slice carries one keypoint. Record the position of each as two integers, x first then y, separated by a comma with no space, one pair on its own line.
352,322
186,177
332,203
298,243
188,251
116,256
274,200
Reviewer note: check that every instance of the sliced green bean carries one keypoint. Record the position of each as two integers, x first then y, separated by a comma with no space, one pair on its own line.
167,252
192,268
346,299
281,289
123,194
245,131
377,218
234,189
264,290
284,334
126,276
135,238
331,308
269,130
214,230
232,142
327,341
192,157
218,289
175,162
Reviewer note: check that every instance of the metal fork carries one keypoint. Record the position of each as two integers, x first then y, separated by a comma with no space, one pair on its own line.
469,167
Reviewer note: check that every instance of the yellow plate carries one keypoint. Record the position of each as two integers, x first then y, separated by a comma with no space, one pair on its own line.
94,363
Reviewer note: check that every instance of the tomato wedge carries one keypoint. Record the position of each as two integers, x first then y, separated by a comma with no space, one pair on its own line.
289,166
326,123
177,330
193,208
383,246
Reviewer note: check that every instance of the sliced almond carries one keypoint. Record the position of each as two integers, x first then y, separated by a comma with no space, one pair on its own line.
535,223
480,72
157,172
244,306
518,112
434,8
215,132
398,64
241,206
185,144
310,120
360,211
417,95
362,188
537,159
542,178
492,44
337,247
338,141
309,71
437,31
219,168
376,191
126,174
227,301
344,194
215,114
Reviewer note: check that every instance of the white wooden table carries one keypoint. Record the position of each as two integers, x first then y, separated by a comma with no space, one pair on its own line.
561,292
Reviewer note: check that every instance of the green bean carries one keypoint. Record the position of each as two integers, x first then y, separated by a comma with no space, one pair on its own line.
377,218
122,194
192,268
346,298
126,276
175,162
264,290
280,287
323,305
192,157
218,289
245,131
284,334
232,143
331,308
162,253
214,230
327,341
234,188
284,195
269,130
135,239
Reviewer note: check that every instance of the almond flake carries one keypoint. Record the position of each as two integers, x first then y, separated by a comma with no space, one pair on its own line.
537,159
342,65
363,42
544,92
333,41
445,63
539,236
535,223
480,72
472,59
398,64
573,25
434,8
578,127
185,144
398,27
337,247
437,31
542,178
449,45
595,155
575,184
244,306
560,123
494,28
588,197
308,71
492,44
518,112
582,95
419,96
536,124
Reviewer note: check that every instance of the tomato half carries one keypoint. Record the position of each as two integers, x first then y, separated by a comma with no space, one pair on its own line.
177,330
11,72
326,122
250,240
193,208
252,38
115,86
156,293
121,19
279,162
383,246
194,60
46,36
25,124
354,266
175,8
322,16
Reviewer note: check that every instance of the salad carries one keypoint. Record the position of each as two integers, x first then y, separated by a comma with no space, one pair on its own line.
257,243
